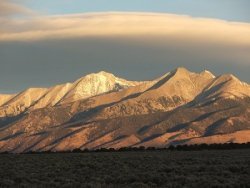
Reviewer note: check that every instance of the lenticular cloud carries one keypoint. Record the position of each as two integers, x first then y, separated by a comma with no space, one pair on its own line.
125,24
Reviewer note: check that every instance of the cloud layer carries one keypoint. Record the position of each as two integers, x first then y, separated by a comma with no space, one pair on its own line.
8,8
46,50
126,24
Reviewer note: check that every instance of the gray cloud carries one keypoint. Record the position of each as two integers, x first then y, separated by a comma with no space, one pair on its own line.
44,63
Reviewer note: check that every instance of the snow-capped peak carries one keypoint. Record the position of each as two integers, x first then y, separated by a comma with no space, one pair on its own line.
90,85
96,84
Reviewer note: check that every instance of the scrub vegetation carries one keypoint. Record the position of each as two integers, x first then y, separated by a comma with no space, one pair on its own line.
138,168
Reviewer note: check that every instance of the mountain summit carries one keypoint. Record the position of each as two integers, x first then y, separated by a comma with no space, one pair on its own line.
102,110
87,86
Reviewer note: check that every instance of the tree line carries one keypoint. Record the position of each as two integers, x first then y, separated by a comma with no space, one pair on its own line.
194,147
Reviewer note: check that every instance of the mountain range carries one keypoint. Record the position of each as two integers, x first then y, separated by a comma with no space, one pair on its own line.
101,110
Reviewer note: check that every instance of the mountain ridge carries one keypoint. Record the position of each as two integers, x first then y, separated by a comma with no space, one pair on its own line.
180,107
87,86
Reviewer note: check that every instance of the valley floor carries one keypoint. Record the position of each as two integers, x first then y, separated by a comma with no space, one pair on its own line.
220,168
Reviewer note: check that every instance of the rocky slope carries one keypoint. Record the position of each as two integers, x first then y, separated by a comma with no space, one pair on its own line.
5,98
180,107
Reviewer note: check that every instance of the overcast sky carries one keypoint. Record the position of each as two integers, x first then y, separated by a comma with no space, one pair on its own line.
44,42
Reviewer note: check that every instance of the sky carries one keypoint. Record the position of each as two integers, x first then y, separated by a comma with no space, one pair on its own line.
44,42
